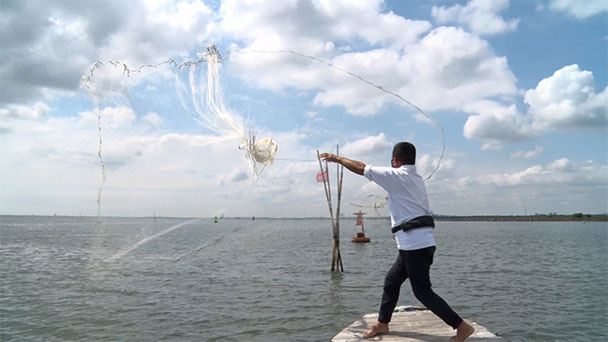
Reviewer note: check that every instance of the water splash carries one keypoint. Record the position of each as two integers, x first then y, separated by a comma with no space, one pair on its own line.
148,239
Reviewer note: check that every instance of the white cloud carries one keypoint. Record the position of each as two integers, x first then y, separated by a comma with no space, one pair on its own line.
568,99
480,16
358,98
474,188
564,101
426,164
197,173
153,119
494,123
116,117
562,164
236,175
457,67
579,9
38,111
47,46
448,64
368,147
310,25
528,154
559,172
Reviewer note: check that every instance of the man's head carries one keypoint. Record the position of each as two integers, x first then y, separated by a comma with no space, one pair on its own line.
404,153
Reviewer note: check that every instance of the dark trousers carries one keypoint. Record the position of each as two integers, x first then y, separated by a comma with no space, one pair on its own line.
415,265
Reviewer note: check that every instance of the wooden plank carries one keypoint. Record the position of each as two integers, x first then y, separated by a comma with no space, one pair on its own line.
412,326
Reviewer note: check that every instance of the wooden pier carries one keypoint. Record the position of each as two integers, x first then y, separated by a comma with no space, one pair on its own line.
411,324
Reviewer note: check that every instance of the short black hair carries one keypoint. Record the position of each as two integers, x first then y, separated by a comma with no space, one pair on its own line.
405,152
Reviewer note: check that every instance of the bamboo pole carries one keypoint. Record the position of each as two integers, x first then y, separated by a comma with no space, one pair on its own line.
340,177
335,255
327,188
329,193
335,252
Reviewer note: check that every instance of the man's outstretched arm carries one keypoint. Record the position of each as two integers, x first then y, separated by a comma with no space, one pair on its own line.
353,165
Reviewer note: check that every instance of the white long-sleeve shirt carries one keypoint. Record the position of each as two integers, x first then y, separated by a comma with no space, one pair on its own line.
407,199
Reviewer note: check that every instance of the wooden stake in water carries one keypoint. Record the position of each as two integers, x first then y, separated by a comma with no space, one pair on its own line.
336,261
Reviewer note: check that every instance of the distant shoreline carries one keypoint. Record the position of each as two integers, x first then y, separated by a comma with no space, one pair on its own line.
522,218
486,218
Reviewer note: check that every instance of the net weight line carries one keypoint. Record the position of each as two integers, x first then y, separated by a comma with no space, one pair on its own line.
379,87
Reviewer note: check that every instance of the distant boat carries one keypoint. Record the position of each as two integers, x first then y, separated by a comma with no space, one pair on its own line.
360,235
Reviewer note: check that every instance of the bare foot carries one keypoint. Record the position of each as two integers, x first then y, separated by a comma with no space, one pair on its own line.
463,331
376,329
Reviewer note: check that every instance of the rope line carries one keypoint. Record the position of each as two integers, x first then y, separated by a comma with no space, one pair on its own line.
381,88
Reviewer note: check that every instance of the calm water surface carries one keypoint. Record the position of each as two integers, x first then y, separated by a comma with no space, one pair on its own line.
73,279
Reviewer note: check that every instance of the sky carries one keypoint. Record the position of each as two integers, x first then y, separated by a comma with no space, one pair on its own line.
518,87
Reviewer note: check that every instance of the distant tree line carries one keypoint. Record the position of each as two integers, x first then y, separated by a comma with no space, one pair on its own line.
535,217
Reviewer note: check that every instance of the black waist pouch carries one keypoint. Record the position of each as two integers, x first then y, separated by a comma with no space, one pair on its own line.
418,222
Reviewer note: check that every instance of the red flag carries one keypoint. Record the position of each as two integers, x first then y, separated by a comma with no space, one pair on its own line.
322,176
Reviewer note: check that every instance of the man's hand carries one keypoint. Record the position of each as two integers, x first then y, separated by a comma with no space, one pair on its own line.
330,157
353,165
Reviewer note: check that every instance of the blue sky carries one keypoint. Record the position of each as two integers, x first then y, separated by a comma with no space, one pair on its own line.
520,88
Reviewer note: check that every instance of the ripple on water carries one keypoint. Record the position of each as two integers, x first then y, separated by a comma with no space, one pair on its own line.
269,280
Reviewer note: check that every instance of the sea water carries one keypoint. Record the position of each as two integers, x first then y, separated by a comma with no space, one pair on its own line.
76,279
